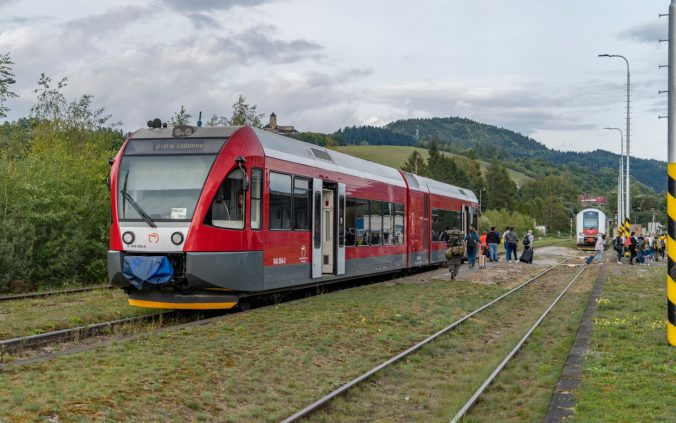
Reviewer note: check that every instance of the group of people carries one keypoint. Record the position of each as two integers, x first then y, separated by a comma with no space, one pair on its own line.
485,246
642,248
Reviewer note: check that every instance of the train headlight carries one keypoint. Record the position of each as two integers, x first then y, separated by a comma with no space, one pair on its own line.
177,238
128,237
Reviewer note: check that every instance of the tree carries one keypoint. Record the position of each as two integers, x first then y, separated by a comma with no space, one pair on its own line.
472,168
245,114
500,188
415,164
6,79
52,106
217,121
180,118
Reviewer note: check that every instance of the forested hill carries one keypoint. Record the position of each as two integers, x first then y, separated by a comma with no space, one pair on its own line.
459,135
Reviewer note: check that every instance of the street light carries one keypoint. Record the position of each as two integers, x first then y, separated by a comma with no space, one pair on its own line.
620,185
480,191
627,202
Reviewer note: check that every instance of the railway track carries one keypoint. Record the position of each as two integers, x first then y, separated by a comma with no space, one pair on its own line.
14,297
465,408
14,345
321,402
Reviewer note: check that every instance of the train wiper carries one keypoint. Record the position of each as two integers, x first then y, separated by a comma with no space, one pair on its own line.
135,205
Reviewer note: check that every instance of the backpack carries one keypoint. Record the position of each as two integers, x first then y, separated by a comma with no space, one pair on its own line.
471,242
526,241
619,243
454,244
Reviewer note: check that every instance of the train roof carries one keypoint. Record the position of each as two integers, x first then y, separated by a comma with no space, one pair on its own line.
441,188
292,150
295,151
198,132
590,209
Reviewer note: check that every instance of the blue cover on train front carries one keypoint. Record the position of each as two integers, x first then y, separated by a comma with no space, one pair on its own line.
152,269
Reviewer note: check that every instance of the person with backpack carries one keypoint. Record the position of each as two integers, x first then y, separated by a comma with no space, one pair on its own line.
527,241
471,245
455,251
512,240
640,250
618,243
493,239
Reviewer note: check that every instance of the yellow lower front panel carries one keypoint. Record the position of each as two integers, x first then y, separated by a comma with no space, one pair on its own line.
181,306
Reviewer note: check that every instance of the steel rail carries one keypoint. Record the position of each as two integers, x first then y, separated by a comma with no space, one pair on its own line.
346,387
81,332
512,353
50,293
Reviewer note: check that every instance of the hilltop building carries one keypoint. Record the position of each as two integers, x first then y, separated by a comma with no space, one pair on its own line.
588,200
279,129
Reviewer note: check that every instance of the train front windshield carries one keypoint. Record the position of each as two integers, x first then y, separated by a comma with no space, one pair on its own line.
590,220
164,186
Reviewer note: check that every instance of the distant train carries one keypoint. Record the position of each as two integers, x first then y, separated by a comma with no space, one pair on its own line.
591,224
203,217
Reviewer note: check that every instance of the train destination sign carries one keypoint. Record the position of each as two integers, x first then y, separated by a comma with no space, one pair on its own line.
178,145
173,146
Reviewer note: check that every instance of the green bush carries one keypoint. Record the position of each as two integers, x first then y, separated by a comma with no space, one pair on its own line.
502,218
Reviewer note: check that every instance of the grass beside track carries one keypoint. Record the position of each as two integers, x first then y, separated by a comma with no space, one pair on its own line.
630,370
259,365
434,383
39,315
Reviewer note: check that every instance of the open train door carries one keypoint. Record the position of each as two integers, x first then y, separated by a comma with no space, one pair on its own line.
340,230
317,186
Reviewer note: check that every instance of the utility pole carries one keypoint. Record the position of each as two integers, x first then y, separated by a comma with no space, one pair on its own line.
671,171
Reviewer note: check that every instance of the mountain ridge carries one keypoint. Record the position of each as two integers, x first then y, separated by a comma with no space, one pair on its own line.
488,142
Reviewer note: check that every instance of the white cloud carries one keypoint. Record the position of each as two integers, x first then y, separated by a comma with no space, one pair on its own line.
648,32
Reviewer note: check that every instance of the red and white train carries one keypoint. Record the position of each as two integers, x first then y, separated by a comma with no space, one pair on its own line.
203,216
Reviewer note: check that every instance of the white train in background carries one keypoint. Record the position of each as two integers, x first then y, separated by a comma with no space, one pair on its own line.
591,224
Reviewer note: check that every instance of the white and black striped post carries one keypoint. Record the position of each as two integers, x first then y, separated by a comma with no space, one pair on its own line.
671,170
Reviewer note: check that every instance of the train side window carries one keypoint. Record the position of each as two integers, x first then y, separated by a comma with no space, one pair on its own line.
436,225
363,222
301,204
280,201
256,193
454,220
376,223
399,223
227,209
350,215
388,223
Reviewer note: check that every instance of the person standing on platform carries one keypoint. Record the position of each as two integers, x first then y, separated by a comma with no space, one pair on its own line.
599,247
618,243
472,243
493,240
512,240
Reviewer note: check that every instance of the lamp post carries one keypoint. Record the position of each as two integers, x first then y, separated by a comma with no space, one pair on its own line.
480,192
620,185
627,203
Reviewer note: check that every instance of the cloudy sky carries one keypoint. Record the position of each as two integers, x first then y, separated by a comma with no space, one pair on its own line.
526,65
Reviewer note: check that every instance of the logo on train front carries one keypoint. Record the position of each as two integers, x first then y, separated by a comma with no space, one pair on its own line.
153,238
